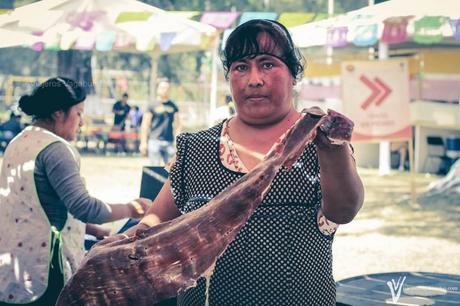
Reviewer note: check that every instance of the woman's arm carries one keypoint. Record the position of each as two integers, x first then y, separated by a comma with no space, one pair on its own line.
144,132
134,209
97,231
163,209
64,177
341,186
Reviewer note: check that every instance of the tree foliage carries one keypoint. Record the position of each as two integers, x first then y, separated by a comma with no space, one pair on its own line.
277,6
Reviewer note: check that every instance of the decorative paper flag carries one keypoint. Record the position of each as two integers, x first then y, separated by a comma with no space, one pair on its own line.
38,46
257,15
52,37
337,37
69,38
85,41
366,35
84,20
220,20
123,41
292,19
145,45
166,39
363,31
455,24
104,25
133,16
428,29
52,44
105,41
395,30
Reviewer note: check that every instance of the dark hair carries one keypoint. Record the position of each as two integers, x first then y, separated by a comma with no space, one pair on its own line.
125,95
242,43
53,95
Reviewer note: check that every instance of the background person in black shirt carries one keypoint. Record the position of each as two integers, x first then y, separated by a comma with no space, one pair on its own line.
121,111
159,125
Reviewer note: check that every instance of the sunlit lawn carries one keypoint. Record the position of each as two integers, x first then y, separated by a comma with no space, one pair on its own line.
389,199
389,234
392,233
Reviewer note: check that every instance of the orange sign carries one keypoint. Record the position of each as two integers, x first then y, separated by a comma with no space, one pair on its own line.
375,96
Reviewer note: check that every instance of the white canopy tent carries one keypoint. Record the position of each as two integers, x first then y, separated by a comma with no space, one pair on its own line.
12,38
105,25
365,27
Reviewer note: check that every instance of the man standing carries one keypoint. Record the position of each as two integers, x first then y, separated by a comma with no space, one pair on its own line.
159,125
121,111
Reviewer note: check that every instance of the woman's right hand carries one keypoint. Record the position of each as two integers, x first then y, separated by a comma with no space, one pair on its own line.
139,207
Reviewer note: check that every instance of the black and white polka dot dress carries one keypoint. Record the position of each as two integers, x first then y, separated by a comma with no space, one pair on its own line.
280,257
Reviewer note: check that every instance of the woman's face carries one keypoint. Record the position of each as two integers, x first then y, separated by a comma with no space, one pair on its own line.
261,87
67,125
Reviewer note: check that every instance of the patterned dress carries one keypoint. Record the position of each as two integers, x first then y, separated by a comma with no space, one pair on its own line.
280,257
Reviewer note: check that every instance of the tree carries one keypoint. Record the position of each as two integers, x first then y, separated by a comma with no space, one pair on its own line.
76,65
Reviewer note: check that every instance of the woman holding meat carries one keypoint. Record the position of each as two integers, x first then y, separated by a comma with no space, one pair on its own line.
43,201
283,255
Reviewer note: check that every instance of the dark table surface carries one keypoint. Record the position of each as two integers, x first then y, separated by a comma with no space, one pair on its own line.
414,288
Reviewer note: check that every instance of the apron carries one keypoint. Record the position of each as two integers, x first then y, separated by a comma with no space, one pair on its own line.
27,239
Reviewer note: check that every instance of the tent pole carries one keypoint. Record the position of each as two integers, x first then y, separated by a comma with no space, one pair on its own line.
329,50
413,186
213,93
94,69
384,148
330,7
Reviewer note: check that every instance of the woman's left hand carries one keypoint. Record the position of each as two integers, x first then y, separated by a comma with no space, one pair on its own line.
324,143
97,231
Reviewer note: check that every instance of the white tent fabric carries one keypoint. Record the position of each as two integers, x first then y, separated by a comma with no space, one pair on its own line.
99,25
12,38
105,25
171,31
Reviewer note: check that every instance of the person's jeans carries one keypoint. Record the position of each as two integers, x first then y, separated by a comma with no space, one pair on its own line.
160,152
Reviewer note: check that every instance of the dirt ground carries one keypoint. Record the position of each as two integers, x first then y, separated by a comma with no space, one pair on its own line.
389,234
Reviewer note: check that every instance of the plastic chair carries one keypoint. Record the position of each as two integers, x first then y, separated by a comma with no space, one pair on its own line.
436,161
453,147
